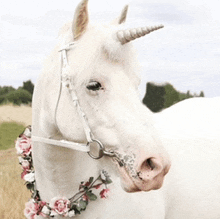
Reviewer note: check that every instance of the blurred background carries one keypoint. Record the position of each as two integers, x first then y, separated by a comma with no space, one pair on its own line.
185,53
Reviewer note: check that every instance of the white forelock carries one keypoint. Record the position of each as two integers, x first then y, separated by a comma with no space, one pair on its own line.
100,40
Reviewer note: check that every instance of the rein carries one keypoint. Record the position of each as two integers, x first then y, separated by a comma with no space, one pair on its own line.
65,80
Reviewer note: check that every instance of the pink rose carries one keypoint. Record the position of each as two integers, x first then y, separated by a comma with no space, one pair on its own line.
97,186
31,209
25,164
23,145
85,198
17,146
25,172
60,206
103,193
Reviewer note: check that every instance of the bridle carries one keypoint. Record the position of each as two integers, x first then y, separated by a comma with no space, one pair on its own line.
65,80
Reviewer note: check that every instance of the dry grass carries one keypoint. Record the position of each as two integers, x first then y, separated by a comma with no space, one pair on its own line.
13,192
21,114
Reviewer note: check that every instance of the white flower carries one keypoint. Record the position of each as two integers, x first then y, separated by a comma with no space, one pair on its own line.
27,132
104,175
20,159
45,210
71,213
17,146
24,163
53,213
29,177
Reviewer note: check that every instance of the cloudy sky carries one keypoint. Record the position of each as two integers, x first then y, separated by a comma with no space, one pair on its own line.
185,53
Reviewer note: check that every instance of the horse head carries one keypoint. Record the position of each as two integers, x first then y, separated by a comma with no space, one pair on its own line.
103,72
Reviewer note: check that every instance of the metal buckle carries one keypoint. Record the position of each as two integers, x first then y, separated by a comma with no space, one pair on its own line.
102,150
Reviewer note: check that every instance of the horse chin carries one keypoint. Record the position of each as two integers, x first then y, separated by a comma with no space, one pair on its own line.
130,188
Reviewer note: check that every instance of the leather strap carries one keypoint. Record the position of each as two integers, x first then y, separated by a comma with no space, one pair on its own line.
63,143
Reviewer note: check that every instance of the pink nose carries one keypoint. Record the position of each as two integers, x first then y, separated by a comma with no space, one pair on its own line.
151,173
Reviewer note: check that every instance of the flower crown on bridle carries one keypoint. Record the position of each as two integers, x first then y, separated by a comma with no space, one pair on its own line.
57,205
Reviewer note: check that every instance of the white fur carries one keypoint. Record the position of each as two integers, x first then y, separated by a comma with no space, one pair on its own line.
118,119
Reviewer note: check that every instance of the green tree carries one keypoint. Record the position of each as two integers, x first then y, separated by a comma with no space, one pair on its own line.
19,96
2,99
6,89
154,97
188,95
172,95
164,96
29,86
3,92
202,94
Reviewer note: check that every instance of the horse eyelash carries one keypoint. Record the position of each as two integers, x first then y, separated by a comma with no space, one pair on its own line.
94,86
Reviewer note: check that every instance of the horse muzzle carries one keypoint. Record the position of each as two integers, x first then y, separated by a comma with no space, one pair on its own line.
145,175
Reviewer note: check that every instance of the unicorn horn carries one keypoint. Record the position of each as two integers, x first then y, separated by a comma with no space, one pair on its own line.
125,36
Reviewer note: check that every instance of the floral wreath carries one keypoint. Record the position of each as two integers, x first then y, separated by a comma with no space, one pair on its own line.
58,205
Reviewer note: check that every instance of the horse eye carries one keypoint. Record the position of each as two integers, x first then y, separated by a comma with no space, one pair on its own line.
94,86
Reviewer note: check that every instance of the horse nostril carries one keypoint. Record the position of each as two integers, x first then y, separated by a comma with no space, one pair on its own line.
150,172
149,164
147,167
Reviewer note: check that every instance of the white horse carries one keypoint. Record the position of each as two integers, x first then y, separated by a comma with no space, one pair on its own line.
103,83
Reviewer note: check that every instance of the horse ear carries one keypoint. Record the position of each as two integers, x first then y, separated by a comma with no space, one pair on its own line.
81,19
122,18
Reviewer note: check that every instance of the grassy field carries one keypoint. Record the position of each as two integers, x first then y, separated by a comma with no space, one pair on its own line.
13,193
9,131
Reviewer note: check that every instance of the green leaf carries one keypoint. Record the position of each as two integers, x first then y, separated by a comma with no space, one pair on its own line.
30,186
108,181
36,195
91,179
82,204
91,196
78,208
99,178
72,205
